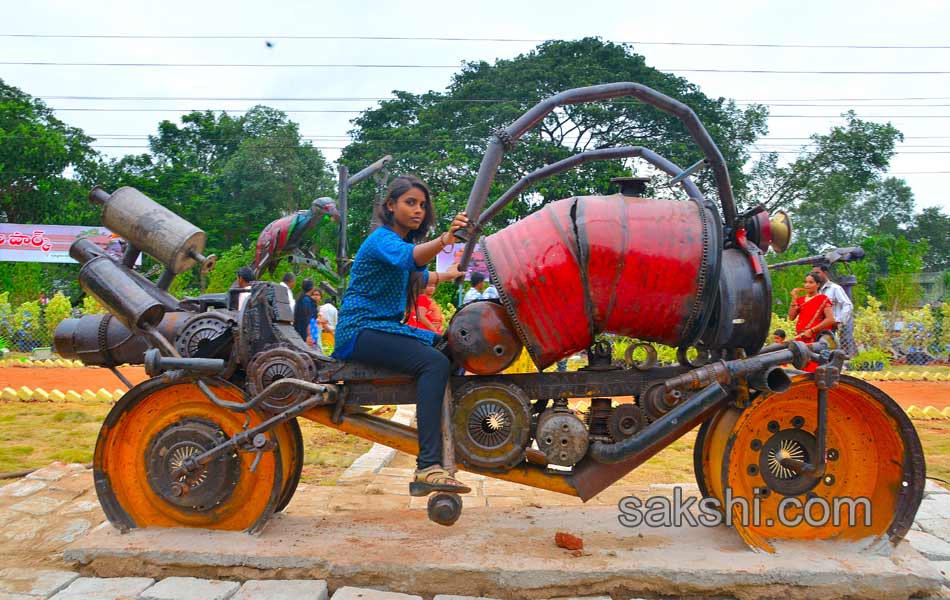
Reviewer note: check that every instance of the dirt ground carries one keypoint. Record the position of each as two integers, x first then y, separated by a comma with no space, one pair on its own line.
64,379
906,393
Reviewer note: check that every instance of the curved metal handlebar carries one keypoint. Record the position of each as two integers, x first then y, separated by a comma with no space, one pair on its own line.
503,140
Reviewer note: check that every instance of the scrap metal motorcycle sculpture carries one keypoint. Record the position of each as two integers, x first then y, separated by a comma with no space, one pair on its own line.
211,440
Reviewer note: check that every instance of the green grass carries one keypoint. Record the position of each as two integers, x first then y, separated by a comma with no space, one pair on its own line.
34,434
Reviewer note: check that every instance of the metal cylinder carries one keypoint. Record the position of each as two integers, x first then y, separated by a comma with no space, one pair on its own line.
742,313
102,340
482,338
638,267
116,287
151,227
773,379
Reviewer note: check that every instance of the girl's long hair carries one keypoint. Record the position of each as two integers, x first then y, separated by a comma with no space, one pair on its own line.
383,216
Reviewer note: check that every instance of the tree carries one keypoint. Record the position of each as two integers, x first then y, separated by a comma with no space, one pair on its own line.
932,225
832,181
442,136
231,176
36,150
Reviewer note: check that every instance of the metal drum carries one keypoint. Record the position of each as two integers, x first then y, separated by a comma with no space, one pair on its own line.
638,267
151,227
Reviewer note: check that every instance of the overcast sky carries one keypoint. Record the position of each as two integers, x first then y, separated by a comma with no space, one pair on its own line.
917,104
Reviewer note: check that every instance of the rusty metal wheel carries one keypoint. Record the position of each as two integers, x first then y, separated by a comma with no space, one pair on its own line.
151,430
290,440
872,453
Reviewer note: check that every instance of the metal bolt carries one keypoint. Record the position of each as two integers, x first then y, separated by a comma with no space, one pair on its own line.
831,454
756,445
753,470
774,426
797,422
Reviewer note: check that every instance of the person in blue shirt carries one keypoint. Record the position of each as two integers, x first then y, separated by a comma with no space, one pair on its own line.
372,329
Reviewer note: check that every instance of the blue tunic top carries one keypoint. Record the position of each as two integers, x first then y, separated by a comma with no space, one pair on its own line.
376,298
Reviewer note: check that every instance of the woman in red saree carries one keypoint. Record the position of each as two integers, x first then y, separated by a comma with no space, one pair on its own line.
812,313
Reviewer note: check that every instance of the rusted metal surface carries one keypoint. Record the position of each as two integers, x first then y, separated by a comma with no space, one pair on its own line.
403,438
102,340
630,266
151,227
482,338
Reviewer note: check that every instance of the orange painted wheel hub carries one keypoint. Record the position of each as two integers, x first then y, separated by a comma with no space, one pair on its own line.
154,428
870,489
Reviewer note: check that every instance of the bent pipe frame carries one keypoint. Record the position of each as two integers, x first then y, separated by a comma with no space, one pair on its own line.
606,463
579,159
345,182
502,141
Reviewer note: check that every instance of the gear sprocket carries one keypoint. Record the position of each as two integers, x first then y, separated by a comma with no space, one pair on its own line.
276,363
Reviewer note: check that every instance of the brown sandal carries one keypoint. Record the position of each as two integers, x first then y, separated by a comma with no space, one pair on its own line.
436,479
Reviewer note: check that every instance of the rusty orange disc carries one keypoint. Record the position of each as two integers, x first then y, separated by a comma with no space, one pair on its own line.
290,440
152,430
873,480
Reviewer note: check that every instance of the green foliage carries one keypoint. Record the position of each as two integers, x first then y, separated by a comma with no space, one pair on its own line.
870,327
932,226
834,188
224,273
24,280
441,136
6,316
28,323
781,322
57,309
664,354
231,176
904,260
867,360
919,329
787,279
943,329
91,306
35,150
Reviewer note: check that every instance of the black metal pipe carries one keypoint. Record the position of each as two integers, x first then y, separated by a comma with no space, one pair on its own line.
664,430
342,207
578,159
368,171
503,140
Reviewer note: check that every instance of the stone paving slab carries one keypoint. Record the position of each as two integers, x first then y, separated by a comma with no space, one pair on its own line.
355,593
510,553
929,545
190,588
98,588
283,589
35,582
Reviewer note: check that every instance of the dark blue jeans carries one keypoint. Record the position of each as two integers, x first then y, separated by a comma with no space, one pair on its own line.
431,370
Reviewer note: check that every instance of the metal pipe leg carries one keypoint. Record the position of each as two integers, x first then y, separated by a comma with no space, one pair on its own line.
448,440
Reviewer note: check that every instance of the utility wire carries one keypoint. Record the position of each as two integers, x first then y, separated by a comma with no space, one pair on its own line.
465,39
314,110
772,102
424,66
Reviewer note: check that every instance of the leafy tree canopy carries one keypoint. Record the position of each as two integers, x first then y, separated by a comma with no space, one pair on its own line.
36,150
441,136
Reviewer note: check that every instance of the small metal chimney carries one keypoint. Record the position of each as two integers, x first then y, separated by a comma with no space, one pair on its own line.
632,186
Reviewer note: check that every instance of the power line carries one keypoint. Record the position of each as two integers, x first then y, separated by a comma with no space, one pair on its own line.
773,102
314,110
466,39
424,66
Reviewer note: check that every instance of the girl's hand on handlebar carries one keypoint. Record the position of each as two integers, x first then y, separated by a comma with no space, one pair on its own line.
459,222
454,273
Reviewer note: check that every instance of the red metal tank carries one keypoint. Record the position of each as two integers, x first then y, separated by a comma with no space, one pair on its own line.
632,266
